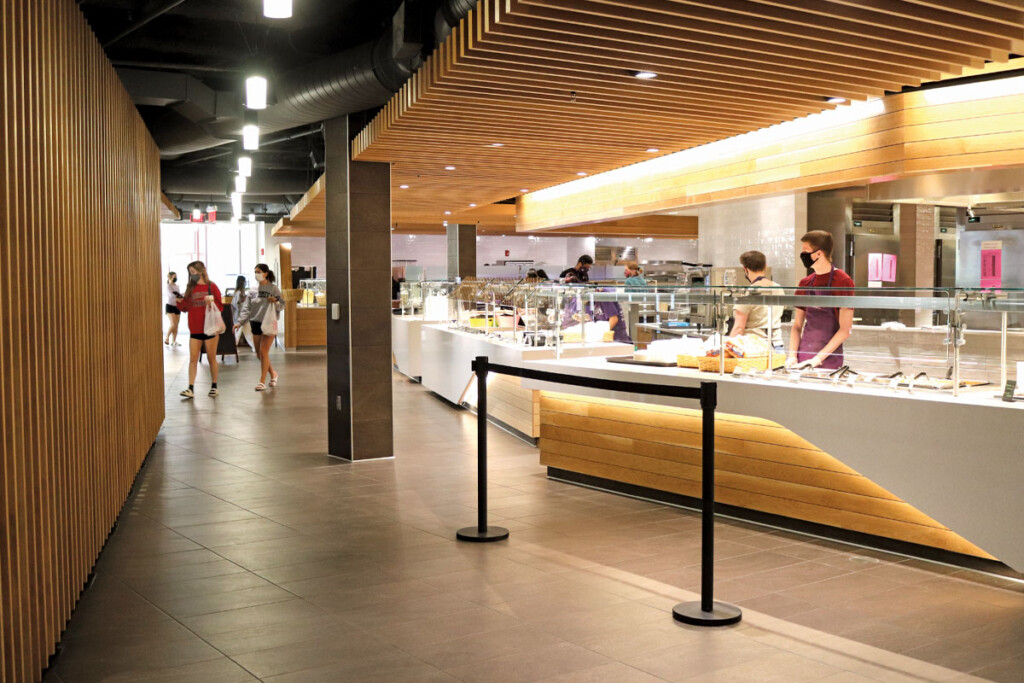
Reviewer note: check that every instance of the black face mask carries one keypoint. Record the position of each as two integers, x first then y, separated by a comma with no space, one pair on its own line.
194,278
174,279
807,260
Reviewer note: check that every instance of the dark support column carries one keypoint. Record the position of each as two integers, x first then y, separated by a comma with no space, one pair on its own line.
915,267
359,285
461,250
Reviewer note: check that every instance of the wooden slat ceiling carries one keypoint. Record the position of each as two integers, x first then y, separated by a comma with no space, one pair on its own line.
552,82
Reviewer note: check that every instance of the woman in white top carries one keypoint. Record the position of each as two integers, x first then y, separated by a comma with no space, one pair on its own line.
171,296
254,309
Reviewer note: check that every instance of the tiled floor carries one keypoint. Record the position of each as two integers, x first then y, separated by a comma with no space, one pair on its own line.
247,554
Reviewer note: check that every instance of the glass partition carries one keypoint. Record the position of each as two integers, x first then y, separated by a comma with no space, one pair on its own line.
426,299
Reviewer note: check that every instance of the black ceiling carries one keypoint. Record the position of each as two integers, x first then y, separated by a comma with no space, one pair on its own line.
218,43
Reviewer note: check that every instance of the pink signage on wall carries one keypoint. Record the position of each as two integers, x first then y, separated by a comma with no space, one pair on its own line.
992,264
881,267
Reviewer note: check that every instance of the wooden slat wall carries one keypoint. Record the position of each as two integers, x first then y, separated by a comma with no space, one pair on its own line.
81,385
760,465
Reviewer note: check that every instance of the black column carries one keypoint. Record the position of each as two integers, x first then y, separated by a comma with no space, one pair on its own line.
359,284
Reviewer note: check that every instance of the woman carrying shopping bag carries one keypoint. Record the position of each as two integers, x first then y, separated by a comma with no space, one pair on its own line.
260,310
202,302
237,304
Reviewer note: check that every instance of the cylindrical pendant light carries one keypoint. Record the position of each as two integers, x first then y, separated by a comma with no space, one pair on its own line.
252,218
245,166
239,183
256,92
236,204
277,9
250,137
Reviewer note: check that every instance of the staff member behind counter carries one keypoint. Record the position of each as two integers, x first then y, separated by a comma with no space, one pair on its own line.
750,319
818,332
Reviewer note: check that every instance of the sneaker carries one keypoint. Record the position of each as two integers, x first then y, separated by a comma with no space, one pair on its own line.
213,391
188,393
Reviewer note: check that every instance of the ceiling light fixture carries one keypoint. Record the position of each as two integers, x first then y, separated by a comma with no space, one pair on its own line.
197,214
836,100
652,150
447,213
449,168
277,9
256,92
236,204
252,218
472,206
245,166
497,144
582,173
403,187
524,190
250,137
239,183
645,75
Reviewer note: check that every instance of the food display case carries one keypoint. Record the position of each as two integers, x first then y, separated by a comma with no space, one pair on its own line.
425,299
964,339
313,292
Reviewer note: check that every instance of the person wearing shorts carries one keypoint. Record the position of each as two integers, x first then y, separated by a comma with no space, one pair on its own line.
171,297
199,295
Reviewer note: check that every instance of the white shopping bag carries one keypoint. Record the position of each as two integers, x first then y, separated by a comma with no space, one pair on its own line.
214,323
269,322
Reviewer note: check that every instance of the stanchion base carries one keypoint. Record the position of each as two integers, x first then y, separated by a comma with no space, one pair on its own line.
722,614
473,534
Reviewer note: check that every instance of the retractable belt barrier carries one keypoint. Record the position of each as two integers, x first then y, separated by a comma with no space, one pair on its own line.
707,612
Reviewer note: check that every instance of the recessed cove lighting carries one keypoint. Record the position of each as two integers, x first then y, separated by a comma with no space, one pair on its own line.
652,150
449,168
277,9
646,75
403,187
836,100
251,137
256,92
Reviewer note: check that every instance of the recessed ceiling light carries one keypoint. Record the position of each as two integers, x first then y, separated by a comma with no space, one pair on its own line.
582,173
449,168
497,144
277,9
403,187
652,150
644,74
524,190
447,213
472,206
836,100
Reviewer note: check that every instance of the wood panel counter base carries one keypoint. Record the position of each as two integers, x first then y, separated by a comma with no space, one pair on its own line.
788,523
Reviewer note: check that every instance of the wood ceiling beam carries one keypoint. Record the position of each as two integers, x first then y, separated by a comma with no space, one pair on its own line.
639,22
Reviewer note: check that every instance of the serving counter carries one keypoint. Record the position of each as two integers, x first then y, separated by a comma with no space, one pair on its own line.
446,355
922,468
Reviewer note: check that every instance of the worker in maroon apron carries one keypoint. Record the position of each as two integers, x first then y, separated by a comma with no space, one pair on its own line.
818,332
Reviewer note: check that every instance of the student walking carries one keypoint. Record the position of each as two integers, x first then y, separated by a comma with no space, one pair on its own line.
172,294
199,296
238,300
254,312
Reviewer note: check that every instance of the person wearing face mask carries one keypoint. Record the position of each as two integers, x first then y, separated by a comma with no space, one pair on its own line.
581,272
634,275
171,297
751,319
199,295
819,332
253,310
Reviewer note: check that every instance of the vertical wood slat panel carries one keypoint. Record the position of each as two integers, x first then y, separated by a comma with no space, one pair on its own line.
79,217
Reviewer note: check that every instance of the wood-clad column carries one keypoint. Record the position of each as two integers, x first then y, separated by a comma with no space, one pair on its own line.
461,250
359,284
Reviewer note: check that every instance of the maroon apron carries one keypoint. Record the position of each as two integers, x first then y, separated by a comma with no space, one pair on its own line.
820,325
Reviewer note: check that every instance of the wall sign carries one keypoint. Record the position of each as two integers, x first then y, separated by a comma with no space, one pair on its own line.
992,264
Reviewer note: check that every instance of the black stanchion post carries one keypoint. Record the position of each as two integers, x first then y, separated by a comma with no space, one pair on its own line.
481,533
707,612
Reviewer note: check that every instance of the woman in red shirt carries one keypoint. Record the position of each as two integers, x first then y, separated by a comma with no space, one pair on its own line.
818,332
199,295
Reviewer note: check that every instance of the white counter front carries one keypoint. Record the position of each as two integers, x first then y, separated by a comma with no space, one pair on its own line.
406,342
958,460
447,354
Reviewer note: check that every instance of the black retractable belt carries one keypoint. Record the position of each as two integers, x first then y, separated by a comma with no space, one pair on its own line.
706,612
